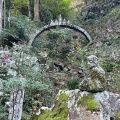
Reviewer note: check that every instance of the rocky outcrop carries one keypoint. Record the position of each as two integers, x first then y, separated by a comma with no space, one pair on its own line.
89,102
81,105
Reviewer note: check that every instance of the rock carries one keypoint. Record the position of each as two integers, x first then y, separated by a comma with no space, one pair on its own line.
60,66
110,106
79,105
95,82
1,93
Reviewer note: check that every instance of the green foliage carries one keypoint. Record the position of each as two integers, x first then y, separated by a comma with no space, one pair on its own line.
113,15
25,116
19,7
78,55
117,116
109,53
57,7
63,97
84,99
3,70
73,84
110,65
20,29
3,113
88,102
31,81
59,112
54,43
92,105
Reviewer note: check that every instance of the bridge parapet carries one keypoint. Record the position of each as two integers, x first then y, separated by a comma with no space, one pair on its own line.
63,24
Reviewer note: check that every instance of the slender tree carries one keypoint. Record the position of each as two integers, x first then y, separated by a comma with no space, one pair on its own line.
36,10
29,11
1,10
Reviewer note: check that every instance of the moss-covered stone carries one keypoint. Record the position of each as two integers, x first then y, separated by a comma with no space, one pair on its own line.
83,100
44,115
59,112
88,102
92,105
117,116
95,83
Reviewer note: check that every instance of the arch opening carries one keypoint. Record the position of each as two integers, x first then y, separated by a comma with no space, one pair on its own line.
63,25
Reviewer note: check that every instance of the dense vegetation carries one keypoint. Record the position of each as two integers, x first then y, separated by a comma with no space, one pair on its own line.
61,53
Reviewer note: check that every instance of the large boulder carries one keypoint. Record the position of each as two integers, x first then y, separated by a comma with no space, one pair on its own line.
81,105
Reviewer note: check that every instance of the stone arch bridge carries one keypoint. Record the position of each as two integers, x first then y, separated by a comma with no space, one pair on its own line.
63,24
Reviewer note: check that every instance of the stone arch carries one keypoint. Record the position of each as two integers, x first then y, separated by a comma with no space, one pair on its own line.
62,24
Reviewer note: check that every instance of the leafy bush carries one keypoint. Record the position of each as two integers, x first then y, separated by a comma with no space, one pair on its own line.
33,83
72,84
19,30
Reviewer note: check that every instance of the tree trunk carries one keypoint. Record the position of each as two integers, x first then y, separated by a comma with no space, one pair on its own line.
1,11
29,11
16,103
36,10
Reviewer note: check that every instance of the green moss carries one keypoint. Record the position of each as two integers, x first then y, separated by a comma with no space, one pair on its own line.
83,100
92,105
88,102
59,112
34,117
63,97
118,116
44,114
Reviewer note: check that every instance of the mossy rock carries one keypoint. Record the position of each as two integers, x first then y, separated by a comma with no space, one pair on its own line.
59,112
89,103
95,86
117,116
96,82
92,105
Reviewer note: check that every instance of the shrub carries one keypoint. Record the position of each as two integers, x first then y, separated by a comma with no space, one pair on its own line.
72,84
